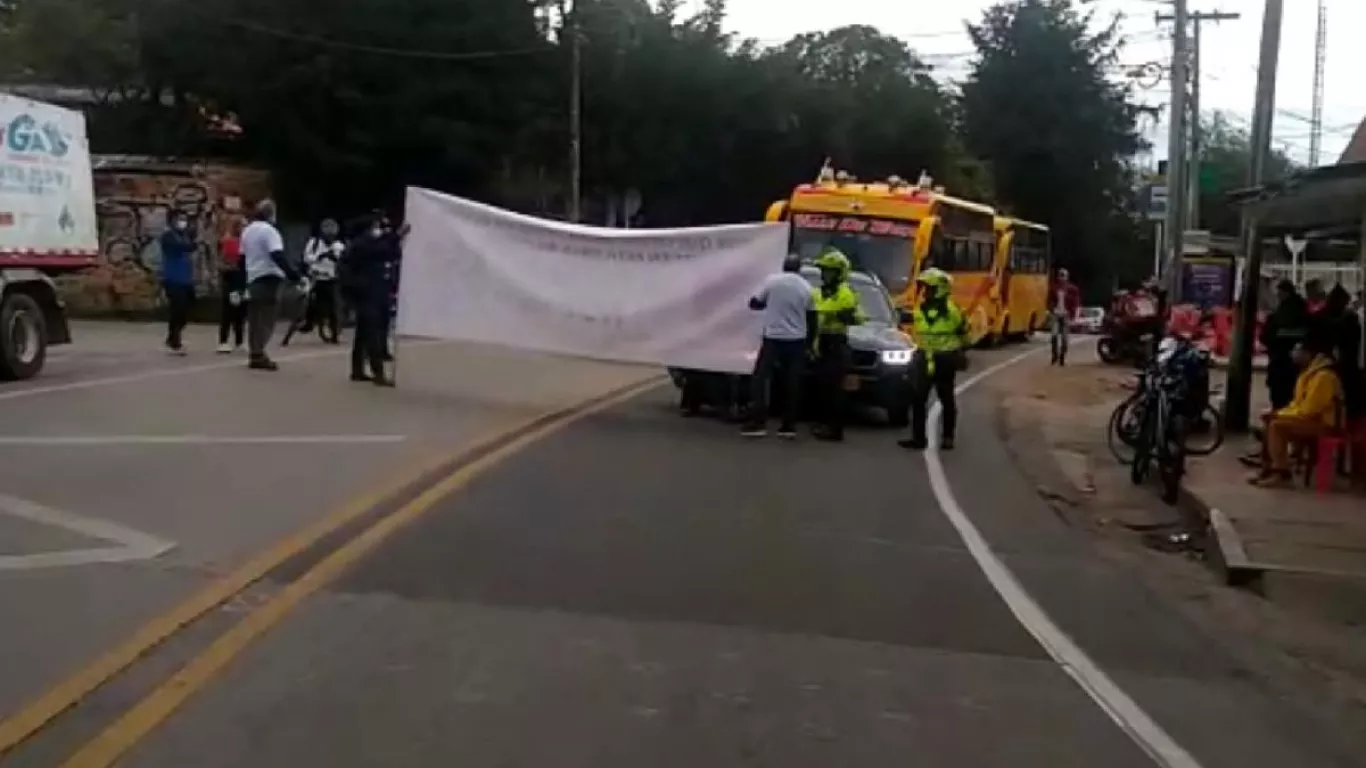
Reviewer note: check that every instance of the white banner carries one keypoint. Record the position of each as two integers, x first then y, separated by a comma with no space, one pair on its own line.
47,198
677,297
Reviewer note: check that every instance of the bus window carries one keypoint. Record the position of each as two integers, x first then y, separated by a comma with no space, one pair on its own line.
957,254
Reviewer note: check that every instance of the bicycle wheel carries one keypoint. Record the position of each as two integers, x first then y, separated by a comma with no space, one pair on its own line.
1122,433
1172,459
1206,443
1143,452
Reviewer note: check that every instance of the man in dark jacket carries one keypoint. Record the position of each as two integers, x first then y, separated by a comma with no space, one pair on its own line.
1338,328
365,275
1285,327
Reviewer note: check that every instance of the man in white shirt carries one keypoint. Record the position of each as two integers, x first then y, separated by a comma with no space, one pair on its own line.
263,254
789,308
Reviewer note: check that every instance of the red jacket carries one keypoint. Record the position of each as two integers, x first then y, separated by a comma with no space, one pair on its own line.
1071,298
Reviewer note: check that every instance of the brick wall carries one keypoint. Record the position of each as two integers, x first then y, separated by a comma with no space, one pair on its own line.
134,200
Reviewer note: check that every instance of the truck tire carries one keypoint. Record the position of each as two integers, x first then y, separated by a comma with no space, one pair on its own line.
23,337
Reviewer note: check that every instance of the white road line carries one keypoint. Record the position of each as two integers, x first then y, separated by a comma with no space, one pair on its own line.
67,441
1122,709
131,544
157,373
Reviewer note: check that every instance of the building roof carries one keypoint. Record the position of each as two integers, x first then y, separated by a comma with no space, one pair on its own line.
1327,200
1356,148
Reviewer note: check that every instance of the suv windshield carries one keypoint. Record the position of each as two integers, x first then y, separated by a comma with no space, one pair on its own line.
872,299
881,247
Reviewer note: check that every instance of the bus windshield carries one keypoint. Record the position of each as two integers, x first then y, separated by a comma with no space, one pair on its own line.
880,247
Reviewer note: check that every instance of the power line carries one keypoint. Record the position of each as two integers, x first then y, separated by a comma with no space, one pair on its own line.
377,50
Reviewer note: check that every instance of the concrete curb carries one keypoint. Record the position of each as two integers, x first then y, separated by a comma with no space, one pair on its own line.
1223,547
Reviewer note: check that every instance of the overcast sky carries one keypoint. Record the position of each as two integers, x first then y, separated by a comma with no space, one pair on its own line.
935,30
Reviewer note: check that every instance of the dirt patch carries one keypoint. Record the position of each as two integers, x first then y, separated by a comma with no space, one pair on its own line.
1053,421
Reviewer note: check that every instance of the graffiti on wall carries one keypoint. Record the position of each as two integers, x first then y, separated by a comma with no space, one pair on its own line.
135,200
135,209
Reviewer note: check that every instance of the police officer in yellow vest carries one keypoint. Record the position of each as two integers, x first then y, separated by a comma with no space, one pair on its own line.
837,308
940,330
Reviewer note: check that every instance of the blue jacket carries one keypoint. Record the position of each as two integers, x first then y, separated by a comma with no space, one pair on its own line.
177,258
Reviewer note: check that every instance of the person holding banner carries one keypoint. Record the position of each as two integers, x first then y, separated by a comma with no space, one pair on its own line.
789,331
837,308
367,285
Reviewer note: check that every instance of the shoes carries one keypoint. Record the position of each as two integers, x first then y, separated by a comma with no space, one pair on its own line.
946,444
361,377
179,351
914,444
263,364
381,381
226,349
787,433
754,431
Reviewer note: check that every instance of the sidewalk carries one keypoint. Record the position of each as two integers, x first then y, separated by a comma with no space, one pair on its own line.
1282,539
1300,627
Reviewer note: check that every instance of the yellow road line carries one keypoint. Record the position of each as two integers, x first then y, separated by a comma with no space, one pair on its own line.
151,711
36,715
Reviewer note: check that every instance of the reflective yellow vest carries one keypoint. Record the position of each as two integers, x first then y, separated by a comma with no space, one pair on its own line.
829,308
941,332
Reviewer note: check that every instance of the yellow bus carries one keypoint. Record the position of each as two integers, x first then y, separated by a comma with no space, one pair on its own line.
1023,270
893,229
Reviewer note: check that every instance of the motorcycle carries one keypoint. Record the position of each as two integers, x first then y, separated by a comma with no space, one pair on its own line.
1129,333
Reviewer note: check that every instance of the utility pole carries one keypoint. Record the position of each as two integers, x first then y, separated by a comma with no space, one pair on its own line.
1320,50
1176,154
575,115
1192,170
1238,391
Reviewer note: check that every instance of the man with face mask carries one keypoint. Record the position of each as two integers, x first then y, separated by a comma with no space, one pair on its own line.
322,254
940,330
367,263
263,253
178,247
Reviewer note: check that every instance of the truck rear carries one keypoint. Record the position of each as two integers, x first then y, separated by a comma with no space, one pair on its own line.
47,226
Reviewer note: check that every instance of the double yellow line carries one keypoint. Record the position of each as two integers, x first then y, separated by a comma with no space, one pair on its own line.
460,468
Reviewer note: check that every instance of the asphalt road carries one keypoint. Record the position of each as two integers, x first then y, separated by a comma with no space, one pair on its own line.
637,589
642,590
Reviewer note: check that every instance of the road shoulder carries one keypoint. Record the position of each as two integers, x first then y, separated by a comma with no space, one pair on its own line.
1052,422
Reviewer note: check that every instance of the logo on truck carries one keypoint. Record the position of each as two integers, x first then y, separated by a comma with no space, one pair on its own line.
25,135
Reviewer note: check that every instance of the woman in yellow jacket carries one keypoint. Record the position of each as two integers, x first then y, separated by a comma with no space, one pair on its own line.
1316,411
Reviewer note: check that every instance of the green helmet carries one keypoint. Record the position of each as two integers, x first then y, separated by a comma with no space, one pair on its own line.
834,261
935,278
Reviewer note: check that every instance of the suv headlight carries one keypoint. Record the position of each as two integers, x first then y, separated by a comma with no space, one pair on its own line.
897,356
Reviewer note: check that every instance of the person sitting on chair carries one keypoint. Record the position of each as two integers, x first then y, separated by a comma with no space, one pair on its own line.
1315,411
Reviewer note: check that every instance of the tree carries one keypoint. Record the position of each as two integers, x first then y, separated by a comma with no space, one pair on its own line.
349,106
1058,134
472,97
85,43
1227,151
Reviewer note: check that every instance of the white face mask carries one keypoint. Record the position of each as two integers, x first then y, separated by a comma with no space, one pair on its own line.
180,225
377,233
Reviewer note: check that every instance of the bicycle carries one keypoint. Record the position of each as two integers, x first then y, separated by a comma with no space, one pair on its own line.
1126,421
1162,437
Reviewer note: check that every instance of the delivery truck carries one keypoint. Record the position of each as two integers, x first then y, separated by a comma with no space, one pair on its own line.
47,226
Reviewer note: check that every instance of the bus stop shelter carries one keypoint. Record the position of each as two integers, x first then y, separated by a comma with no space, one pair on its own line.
1320,204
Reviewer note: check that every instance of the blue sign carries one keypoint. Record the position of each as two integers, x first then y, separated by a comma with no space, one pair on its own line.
26,136
1208,282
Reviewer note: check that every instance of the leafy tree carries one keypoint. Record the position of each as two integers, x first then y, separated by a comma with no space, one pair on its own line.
86,43
472,96
1227,151
1058,134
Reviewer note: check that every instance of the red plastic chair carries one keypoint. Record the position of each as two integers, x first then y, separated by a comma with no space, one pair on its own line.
1328,452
